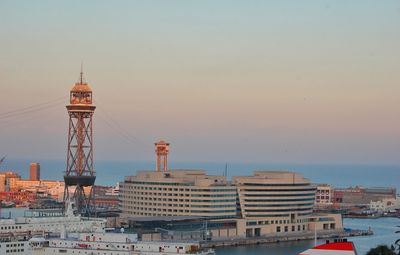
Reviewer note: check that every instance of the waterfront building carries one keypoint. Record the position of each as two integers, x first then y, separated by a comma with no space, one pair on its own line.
274,201
384,205
269,202
177,193
274,194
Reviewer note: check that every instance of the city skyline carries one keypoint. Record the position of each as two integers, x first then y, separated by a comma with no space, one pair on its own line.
260,81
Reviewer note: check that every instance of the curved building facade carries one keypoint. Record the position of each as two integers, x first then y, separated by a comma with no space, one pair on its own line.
178,193
275,195
281,200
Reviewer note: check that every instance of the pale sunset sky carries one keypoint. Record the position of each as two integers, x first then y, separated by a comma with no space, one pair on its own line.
244,81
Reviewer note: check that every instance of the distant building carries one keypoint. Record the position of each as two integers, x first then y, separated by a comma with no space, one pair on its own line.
7,179
384,205
324,195
34,172
360,196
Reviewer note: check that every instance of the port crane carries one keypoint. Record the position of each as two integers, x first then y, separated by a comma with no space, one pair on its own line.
2,160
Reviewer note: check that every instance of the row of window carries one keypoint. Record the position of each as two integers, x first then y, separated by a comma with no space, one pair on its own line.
10,227
136,201
278,205
161,199
323,191
286,228
158,194
215,190
14,250
160,210
215,195
267,215
279,200
214,211
161,183
280,195
275,184
277,190
154,188
268,222
213,201
15,245
212,206
279,210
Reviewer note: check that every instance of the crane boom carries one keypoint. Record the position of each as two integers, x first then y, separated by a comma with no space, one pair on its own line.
2,159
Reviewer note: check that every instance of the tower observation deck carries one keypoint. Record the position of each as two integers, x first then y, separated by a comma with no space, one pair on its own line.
79,171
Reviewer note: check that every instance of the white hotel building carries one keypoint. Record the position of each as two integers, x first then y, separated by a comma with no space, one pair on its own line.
265,203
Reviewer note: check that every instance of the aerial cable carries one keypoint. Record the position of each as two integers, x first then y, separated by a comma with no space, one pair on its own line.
116,130
11,112
25,119
117,126
33,110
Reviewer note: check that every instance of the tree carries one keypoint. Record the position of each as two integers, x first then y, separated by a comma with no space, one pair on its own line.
381,250
397,243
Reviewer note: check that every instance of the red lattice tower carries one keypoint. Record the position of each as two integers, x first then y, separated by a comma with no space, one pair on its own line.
79,172
162,149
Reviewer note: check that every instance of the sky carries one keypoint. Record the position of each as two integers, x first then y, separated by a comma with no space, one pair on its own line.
222,81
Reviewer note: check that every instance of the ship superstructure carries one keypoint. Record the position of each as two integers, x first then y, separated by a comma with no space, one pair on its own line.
46,221
16,233
110,244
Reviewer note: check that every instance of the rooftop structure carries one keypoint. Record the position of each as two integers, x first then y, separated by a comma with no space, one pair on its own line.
162,150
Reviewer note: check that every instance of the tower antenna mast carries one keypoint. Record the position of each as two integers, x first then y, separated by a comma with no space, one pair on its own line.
81,77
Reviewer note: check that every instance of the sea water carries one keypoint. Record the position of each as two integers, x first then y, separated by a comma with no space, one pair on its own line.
111,172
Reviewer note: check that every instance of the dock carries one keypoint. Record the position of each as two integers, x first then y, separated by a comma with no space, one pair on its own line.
283,237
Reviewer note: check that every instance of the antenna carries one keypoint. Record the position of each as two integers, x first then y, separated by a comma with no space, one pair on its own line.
81,78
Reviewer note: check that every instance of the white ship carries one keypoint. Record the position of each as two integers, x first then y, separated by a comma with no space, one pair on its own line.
49,221
47,235
16,233
110,244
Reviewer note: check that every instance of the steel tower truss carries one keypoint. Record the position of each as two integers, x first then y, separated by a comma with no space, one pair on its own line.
79,172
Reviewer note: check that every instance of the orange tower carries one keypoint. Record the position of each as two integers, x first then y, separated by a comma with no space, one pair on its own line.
79,172
162,149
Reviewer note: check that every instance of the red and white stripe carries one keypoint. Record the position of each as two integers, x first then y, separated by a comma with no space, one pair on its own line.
340,248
